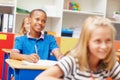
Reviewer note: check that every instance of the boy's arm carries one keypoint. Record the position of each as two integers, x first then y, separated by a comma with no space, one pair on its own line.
57,53
17,55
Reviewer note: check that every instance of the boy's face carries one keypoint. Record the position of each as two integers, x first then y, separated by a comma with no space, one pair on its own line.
38,21
100,43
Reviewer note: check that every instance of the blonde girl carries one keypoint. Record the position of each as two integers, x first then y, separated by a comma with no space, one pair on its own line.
93,57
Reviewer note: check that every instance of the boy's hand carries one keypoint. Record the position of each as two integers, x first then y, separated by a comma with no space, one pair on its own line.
32,58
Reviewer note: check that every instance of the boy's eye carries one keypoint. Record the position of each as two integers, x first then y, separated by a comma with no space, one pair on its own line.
43,21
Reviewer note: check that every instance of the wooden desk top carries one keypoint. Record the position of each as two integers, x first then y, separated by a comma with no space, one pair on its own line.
6,50
16,64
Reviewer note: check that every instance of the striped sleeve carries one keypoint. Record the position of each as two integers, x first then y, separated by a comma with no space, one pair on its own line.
115,72
67,65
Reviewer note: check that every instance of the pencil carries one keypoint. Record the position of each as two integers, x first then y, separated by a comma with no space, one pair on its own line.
36,49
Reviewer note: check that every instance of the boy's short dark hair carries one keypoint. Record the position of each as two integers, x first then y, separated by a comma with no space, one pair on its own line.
41,10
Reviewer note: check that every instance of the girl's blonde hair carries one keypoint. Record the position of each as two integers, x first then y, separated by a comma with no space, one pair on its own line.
22,30
80,51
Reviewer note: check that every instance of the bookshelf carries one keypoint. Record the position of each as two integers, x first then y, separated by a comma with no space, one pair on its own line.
7,15
59,13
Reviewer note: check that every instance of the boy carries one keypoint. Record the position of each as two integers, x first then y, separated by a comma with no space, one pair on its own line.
35,45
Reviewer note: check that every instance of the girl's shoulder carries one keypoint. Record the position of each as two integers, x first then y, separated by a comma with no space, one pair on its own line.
115,71
117,65
69,59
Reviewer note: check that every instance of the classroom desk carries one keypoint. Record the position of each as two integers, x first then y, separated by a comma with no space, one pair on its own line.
20,68
24,71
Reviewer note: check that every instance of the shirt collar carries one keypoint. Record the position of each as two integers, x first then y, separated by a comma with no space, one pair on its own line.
41,36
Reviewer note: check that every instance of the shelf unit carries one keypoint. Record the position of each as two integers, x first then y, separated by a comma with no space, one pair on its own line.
8,7
53,9
59,15
104,8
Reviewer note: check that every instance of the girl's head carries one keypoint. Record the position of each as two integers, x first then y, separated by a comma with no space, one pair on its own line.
96,41
26,24
25,27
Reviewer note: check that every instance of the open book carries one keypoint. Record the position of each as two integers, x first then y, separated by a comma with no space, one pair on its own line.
41,62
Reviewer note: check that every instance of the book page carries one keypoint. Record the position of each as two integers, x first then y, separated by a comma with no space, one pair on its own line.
41,62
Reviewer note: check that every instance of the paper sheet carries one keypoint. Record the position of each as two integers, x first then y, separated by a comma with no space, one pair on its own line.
41,62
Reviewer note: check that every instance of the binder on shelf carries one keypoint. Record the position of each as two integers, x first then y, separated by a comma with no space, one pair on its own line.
10,23
1,22
4,22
